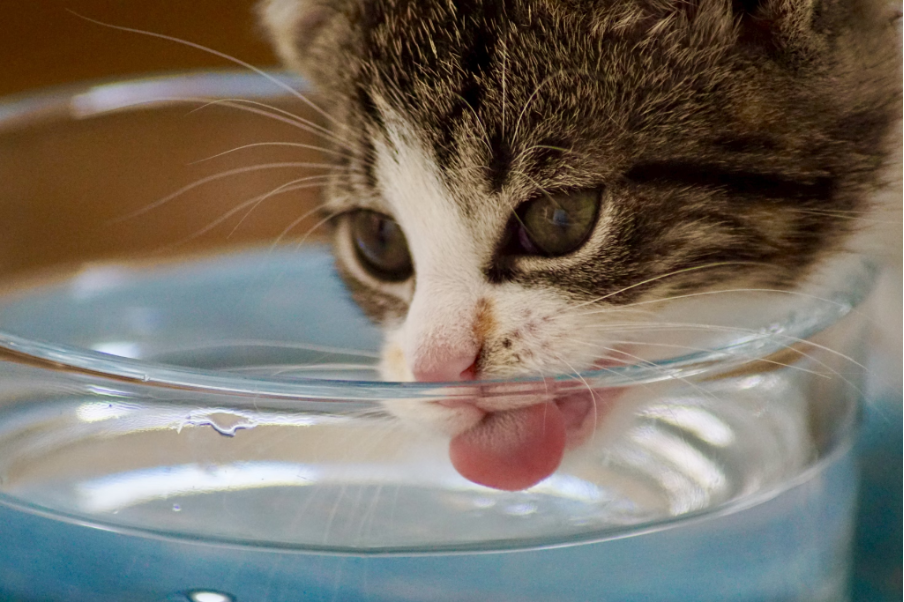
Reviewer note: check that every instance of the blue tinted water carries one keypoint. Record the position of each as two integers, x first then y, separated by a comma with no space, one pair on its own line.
790,548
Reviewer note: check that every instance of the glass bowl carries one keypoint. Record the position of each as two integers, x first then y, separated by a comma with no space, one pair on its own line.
191,411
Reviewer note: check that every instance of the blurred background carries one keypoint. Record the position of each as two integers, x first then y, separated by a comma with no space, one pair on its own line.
84,186
43,44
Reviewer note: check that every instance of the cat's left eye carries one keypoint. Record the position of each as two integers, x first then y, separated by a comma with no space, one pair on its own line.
380,245
555,224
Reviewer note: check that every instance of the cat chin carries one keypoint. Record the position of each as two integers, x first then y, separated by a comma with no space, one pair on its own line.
435,416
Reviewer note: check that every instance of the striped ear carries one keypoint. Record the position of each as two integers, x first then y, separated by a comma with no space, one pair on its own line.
295,25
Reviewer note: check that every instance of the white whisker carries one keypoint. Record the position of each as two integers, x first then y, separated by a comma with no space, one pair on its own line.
232,59
722,292
848,215
667,275
270,144
315,226
277,114
593,400
291,186
700,349
732,329
238,104
297,221
219,176
254,202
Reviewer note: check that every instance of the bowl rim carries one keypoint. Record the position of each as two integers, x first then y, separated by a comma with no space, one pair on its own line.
104,96
154,91
60,358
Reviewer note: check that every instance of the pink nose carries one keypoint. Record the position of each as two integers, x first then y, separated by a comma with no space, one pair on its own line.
446,367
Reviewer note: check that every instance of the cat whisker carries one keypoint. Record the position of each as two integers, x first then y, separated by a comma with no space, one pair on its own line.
369,515
654,366
590,390
844,215
831,371
580,72
617,310
277,82
700,349
779,336
715,264
657,325
514,210
277,114
301,219
291,186
315,226
533,181
271,144
220,176
254,202
238,104
792,293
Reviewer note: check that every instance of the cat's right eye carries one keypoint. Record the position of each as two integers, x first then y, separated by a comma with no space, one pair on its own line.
380,245
554,224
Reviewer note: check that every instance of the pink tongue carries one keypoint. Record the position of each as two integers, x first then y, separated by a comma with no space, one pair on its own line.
511,450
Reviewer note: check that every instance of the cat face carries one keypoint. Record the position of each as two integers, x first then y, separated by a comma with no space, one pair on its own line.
516,177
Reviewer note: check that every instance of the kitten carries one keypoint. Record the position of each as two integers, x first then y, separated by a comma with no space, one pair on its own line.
510,168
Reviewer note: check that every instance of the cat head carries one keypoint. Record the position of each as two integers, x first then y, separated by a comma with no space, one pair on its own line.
515,176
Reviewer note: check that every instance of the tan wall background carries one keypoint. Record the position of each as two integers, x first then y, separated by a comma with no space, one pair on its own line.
63,189
43,44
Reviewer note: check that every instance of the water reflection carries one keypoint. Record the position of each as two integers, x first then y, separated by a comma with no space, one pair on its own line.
697,421
122,490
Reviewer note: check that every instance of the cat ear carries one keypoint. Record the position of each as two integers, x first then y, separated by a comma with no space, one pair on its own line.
774,25
294,26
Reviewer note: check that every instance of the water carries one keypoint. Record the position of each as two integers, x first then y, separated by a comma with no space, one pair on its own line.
740,487
792,547
131,463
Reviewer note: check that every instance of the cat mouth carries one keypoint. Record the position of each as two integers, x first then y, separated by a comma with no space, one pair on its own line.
517,448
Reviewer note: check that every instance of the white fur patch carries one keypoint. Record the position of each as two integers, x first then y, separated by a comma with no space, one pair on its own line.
440,321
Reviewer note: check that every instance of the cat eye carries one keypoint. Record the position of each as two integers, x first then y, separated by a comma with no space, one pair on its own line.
555,224
380,245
